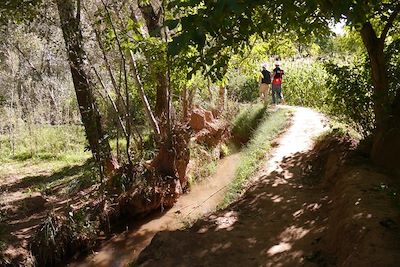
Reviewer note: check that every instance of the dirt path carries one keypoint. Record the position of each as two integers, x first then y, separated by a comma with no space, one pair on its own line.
278,222
202,199
298,139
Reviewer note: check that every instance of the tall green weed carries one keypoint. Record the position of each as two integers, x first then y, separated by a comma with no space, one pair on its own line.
255,151
304,83
45,142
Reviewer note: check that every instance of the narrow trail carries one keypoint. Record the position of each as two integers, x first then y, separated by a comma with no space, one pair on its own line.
203,198
299,138
279,221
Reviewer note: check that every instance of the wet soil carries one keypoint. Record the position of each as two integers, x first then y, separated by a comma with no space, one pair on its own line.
202,199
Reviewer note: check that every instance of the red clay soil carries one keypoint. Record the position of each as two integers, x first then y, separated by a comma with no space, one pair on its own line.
320,207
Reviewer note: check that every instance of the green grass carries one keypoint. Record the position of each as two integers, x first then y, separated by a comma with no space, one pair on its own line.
44,143
203,162
254,153
247,121
66,180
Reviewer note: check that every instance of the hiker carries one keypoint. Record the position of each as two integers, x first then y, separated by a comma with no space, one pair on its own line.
277,75
265,81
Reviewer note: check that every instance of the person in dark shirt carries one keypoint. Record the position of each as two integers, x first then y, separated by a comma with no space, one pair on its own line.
265,81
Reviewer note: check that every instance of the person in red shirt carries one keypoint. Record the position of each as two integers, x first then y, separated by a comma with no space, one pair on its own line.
277,76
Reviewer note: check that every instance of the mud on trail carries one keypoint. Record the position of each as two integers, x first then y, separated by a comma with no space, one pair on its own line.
300,210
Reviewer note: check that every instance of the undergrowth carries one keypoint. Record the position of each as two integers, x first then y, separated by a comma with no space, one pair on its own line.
44,143
203,162
255,151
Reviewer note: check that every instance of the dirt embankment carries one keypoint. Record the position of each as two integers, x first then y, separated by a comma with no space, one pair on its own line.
45,219
321,207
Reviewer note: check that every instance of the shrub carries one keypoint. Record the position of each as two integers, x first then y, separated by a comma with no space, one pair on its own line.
304,83
350,95
243,88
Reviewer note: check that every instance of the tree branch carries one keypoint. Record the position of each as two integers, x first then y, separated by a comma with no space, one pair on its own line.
111,100
389,23
143,96
127,101
34,69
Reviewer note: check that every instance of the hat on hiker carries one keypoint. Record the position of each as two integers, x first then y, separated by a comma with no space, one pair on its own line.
277,63
264,65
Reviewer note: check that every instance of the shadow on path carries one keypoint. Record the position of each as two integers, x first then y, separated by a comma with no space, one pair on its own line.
280,221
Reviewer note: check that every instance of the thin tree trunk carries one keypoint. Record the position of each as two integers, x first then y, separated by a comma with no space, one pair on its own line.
185,106
127,100
172,155
98,143
161,96
150,116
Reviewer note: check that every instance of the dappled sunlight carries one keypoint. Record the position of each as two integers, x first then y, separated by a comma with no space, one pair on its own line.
361,215
298,213
279,221
293,233
278,182
227,221
276,199
217,247
281,247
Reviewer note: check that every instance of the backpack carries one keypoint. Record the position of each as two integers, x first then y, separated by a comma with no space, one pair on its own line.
266,77
278,73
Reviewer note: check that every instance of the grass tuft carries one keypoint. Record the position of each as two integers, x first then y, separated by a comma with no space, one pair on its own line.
247,121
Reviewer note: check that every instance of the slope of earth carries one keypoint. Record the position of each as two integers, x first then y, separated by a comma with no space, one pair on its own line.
308,206
28,192
203,198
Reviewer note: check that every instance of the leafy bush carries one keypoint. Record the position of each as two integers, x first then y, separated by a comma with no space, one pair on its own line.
243,88
350,95
351,91
304,83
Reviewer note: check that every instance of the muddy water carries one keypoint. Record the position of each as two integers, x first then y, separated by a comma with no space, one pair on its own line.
203,198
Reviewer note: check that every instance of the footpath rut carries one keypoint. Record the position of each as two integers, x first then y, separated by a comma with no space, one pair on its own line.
279,221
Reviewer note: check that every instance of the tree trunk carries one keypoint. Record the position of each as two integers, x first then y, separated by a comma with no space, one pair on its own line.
185,106
162,95
98,143
150,116
386,141
380,81
173,153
